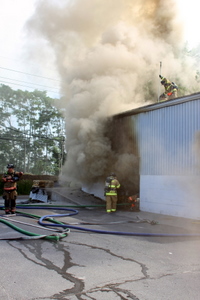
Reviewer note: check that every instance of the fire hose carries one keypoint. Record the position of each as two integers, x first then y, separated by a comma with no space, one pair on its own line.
51,222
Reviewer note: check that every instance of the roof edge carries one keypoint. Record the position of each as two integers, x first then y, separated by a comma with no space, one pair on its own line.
158,105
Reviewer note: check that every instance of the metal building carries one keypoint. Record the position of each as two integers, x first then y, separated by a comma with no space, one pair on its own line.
166,140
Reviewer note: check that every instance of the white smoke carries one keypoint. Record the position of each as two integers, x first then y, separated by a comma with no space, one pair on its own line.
108,54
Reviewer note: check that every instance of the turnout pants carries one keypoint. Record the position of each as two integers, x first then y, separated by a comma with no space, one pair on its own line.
111,203
173,95
10,200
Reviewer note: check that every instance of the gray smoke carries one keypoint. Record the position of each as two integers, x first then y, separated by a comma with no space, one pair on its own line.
107,53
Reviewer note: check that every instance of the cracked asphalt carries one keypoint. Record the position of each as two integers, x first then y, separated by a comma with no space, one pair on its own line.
87,265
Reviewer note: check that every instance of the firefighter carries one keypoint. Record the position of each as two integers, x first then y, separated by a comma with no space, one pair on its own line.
10,179
170,89
111,193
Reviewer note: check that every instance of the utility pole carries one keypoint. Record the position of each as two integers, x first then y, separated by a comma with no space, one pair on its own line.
25,155
62,153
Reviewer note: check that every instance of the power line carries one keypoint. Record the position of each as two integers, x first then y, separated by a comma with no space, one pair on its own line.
26,86
19,61
26,82
28,74
35,135
13,139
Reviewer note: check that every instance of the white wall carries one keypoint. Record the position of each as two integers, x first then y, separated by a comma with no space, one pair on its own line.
171,195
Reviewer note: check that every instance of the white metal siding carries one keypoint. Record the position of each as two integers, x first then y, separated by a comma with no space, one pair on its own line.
166,139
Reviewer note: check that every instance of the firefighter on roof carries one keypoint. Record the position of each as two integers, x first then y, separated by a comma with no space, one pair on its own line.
111,186
170,89
10,189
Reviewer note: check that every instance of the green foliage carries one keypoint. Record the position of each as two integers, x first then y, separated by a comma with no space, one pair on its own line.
24,187
31,128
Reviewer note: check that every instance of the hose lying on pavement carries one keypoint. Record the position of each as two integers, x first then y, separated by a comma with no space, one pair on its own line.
54,223
113,232
54,236
49,218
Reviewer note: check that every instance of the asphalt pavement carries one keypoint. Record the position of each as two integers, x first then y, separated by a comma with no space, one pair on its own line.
88,265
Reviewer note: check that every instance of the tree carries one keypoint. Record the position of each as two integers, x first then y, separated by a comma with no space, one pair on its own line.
32,131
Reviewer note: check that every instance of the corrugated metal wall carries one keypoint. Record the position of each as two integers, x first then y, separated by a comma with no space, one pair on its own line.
166,139
167,135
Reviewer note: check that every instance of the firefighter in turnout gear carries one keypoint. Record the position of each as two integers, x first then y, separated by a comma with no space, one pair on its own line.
10,189
111,186
170,89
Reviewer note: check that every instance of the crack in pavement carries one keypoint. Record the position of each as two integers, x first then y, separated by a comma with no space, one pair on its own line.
122,293
36,248
144,269
115,286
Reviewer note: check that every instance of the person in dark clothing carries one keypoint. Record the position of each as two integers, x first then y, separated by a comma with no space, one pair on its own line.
10,179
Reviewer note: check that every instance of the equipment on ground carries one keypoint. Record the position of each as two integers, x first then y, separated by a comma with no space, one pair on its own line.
135,202
41,191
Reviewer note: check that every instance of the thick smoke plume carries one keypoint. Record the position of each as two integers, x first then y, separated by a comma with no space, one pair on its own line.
108,53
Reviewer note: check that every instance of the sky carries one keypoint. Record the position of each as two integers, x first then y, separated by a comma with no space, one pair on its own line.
14,60
190,13
16,67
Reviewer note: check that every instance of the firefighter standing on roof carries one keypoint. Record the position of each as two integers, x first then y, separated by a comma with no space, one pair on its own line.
170,89
10,189
111,193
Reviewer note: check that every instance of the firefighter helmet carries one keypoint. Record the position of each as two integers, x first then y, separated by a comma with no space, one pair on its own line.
10,166
165,81
113,174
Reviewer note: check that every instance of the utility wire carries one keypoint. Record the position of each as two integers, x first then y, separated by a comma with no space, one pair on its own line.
29,74
13,139
3,81
35,135
28,137
28,82
19,61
